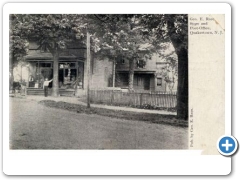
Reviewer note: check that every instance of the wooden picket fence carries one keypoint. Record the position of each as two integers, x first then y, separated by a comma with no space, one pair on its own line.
119,98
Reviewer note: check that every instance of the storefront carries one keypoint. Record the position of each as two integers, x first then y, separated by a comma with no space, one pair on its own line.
70,73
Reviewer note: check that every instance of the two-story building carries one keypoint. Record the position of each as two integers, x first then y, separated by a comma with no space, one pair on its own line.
149,75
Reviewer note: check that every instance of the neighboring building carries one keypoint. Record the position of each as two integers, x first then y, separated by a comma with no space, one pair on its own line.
102,73
149,75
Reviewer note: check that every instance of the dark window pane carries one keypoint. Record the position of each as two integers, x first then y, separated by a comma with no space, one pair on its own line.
72,64
141,63
159,81
45,64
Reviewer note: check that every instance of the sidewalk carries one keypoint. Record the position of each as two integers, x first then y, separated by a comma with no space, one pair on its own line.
75,100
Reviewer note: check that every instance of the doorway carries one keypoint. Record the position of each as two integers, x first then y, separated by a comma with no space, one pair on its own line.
146,82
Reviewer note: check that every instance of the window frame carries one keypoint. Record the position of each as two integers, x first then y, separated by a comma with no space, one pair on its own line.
158,84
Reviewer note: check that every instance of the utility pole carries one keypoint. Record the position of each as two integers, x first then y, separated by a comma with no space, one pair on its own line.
114,72
114,68
88,70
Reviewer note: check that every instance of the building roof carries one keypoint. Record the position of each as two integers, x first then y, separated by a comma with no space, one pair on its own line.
37,55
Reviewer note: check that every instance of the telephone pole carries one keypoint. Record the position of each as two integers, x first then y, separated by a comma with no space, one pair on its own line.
88,70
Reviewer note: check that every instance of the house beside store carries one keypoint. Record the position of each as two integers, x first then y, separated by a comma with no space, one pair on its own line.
149,75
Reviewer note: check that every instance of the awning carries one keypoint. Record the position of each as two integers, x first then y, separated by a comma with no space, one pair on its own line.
36,55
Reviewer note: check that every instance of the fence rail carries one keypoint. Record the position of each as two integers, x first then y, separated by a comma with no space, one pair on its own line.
151,99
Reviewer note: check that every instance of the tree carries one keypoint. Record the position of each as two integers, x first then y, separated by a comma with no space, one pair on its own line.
167,53
178,33
173,28
52,32
18,47
128,32
124,34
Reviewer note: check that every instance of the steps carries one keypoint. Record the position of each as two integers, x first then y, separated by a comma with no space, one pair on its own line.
36,91
67,92
40,92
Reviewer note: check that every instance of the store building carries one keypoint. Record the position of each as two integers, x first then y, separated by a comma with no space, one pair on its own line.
38,66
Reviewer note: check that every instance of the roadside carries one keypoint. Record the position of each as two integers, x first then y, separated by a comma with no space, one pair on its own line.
80,101
76,105
33,125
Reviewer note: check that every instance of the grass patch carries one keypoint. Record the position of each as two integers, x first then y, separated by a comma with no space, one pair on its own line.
144,106
147,117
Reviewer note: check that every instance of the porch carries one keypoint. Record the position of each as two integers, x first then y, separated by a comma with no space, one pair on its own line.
40,92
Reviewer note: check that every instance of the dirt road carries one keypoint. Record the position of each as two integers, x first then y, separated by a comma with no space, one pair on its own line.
34,126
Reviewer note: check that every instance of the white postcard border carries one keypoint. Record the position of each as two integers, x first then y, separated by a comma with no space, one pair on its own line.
114,162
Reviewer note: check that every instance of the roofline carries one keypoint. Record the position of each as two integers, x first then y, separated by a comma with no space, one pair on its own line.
51,58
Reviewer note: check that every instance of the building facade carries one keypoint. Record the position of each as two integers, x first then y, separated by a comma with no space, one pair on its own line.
72,73
38,66
149,75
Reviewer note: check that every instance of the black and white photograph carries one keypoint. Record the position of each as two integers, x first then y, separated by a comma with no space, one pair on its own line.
117,89
98,81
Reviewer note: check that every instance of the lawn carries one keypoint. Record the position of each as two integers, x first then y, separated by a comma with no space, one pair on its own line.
136,116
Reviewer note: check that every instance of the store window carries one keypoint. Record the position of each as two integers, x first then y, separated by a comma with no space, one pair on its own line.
45,64
43,70
67,65
67,74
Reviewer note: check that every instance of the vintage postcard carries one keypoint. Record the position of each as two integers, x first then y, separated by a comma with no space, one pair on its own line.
117,89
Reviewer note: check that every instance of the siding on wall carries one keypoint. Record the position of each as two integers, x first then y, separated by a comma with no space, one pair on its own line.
102,73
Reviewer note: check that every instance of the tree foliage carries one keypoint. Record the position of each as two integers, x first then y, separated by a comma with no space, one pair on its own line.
124,34
136,36
173,28
52,32
18,45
